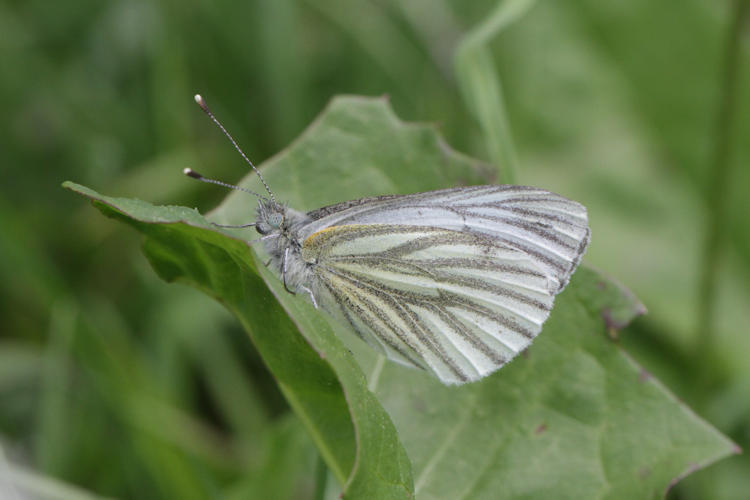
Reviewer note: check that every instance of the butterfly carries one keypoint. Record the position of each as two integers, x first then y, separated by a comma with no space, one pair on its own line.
455,282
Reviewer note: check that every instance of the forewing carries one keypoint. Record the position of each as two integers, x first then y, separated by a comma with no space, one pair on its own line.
552,230
457,303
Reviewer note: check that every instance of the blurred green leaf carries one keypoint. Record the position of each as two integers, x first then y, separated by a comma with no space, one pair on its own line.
172,451
576,417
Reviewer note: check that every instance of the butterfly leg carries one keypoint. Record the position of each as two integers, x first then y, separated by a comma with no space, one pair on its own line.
312,297
283,272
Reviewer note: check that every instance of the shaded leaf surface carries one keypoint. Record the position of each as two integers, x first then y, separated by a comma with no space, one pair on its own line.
575,418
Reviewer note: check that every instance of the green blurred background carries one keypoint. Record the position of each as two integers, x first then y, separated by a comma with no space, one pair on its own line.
117,383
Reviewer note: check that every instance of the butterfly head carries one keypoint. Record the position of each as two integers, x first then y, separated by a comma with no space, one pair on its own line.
271,217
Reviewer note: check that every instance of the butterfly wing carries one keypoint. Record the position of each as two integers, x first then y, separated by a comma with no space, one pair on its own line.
551,229
456,281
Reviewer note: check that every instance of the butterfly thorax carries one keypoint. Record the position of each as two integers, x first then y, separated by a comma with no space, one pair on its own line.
279,226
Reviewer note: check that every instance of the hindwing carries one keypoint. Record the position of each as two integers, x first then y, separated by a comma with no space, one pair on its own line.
458,304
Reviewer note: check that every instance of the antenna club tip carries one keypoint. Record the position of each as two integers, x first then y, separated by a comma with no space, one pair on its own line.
191,173
200,102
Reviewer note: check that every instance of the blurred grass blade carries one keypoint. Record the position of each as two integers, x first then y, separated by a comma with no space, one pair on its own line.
54,416
720,174
283,469
19,483
481,87
232,390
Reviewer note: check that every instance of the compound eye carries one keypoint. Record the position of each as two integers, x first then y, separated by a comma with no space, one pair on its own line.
274,220
263,228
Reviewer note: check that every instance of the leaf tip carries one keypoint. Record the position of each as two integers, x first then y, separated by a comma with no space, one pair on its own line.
79,189
71,186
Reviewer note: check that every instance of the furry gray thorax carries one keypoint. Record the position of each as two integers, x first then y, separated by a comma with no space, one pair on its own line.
279,225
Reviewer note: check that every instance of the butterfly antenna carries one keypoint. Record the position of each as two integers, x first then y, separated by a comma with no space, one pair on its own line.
205,109
195,175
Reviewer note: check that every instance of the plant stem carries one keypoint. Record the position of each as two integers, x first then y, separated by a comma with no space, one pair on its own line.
719,177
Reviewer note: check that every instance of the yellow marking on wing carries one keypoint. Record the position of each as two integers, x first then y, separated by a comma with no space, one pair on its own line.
314,238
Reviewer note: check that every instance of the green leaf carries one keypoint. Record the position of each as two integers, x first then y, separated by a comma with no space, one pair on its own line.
574,418
317,375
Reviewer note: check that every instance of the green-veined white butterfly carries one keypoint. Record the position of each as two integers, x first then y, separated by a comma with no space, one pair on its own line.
456,281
